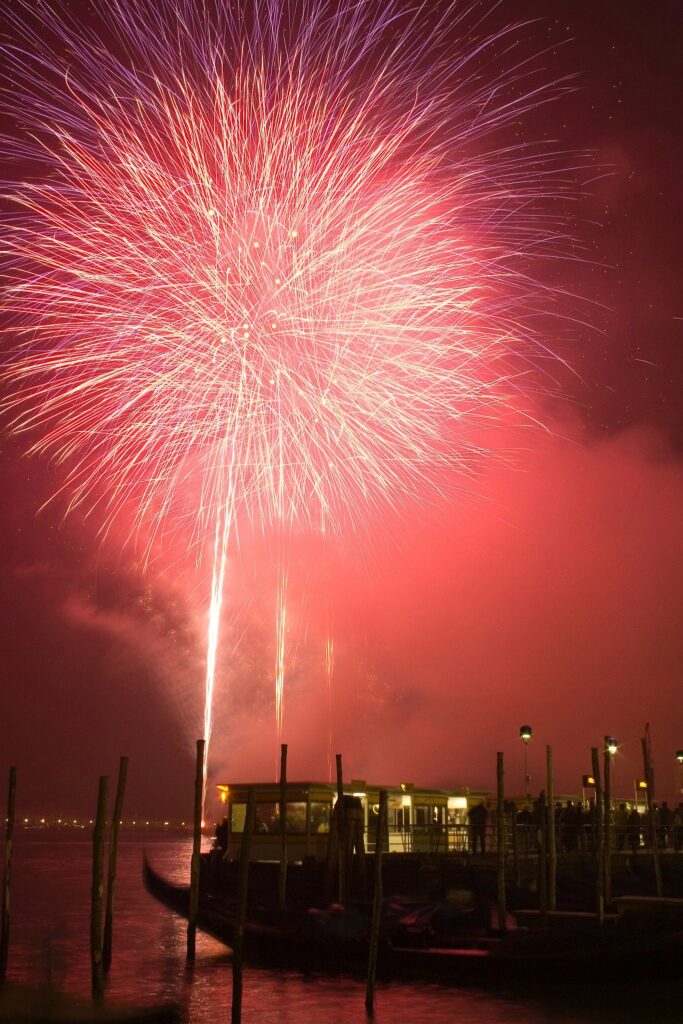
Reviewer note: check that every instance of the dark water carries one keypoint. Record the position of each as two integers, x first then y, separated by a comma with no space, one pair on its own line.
50,937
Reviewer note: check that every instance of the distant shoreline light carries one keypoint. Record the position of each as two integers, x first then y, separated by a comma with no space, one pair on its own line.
41,822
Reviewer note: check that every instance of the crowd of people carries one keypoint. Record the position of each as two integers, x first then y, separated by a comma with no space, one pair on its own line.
576,826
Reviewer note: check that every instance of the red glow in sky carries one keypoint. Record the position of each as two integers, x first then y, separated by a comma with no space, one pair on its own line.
549,595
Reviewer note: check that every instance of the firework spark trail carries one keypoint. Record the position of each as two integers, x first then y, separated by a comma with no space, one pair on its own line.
280,634
269,254
329,669
220,555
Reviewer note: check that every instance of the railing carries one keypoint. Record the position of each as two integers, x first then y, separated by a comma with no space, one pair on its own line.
468,839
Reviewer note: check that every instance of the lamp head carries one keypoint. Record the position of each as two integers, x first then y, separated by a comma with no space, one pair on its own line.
525,733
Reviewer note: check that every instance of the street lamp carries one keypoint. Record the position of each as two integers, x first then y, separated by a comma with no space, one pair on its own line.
679,758
611,746
525,734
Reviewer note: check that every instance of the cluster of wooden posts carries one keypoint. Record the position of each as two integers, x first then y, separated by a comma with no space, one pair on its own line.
100,937
101,944
547,843
243,875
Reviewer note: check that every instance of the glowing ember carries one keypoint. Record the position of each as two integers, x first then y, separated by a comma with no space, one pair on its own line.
280,630
329,670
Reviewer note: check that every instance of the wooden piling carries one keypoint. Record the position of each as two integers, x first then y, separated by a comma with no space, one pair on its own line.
111,867
282,878
341,834
599,839
607,816
97,891
542,858
500,840
377,902
196,852
652,825
241,914
7,877
552,838
515,845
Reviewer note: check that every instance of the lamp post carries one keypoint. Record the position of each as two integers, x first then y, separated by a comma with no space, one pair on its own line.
612,747
525,734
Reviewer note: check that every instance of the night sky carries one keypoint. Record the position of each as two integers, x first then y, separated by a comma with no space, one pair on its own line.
550,592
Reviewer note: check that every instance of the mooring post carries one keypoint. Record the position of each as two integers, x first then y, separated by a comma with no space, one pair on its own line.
97,892
196,854
341,833
282,878
111,867
652,824
241,915
607,815
500,840
7,878
600,838
377,902
543,857
515,843
552,838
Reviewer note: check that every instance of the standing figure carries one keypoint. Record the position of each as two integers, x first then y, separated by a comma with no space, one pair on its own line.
478,818
633,829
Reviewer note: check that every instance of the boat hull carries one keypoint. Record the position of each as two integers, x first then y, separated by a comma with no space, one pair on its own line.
334,939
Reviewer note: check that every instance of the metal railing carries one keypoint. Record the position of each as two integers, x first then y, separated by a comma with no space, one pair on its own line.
468,839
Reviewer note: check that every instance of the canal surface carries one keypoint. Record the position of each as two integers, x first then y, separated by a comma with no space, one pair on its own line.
50,944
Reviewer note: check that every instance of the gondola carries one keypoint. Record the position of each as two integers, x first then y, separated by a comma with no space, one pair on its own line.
427,941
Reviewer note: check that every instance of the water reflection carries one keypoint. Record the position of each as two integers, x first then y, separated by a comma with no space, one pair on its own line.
50,936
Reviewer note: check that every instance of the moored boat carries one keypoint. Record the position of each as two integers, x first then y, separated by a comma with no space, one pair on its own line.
434,940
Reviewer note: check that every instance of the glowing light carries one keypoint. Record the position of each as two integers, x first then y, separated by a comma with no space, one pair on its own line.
221,538
329,668
280,632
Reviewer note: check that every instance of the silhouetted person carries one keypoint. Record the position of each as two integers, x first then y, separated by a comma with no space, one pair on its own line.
678,827
221,842
568,828
540,822
580,813
525,824
478,817
666,820
621,825
633,829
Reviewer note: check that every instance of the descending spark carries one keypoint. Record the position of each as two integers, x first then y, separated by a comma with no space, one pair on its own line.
268,261
222,536
280,632
329,667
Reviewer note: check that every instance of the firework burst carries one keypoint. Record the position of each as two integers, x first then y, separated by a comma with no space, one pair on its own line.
266,261
289,269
